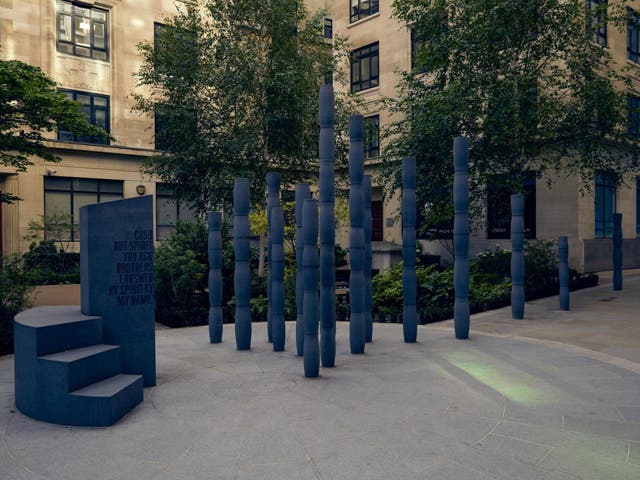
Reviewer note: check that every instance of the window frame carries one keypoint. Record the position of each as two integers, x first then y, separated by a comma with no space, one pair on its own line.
604,184
327,28
164,191
72,190
596,22
357,12
633,115
371,144
501,229
633,35
62,135
73,44
368,52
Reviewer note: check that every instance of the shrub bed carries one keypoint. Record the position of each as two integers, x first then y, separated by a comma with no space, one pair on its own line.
14,289
490,284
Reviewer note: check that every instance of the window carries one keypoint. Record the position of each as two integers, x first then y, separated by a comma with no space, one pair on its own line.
415,47
372,137
83,30
161,137
362,9
95,108
597,20
328,28
168,211
377,221
66,196
633,35
499,208
633,115
605,205
365,68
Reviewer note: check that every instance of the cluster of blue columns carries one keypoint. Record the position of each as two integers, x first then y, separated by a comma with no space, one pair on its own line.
563,272
276,268
617,251
368,260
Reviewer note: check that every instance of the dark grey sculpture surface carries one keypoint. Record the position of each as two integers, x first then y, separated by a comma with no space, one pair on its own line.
368,258
116,271
617,251
242,273
563,272
356,236
302,193
273,200
215,276
517,256
409,281
327,228
310,262
277,279
461,237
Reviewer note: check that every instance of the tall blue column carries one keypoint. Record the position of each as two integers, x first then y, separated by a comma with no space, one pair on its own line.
302,193
327,229
356,237
215,276
461,237
617,251
409,281
563,272
277,282
517,256
273,200
242,273
310,308
368,286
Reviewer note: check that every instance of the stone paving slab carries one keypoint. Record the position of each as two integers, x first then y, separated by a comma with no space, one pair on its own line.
492,407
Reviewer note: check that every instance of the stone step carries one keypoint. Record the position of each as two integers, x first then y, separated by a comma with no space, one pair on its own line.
103,403
73,369
45,330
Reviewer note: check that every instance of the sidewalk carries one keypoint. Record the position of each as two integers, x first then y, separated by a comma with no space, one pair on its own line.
600,319
553,397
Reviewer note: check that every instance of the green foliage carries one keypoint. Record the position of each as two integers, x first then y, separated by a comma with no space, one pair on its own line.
523,81
46,265
235,84
181,275
489,288
14,290
30,105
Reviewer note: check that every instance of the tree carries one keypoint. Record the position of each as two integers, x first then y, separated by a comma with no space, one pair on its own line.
524,81
233,86
29,106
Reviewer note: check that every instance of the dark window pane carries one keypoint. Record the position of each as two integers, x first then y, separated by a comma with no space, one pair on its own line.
364,67
96,110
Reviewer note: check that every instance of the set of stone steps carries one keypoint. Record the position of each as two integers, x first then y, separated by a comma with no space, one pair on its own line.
65,374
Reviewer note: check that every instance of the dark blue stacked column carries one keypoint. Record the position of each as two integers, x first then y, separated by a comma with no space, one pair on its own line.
409,282
617,251
356,237
517,256
277,278
327,229
563,272
242,273
302,193
273,200
310,308
215,276
368,286
461,237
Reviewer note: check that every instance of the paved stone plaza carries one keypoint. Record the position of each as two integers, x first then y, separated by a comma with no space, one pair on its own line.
494,407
